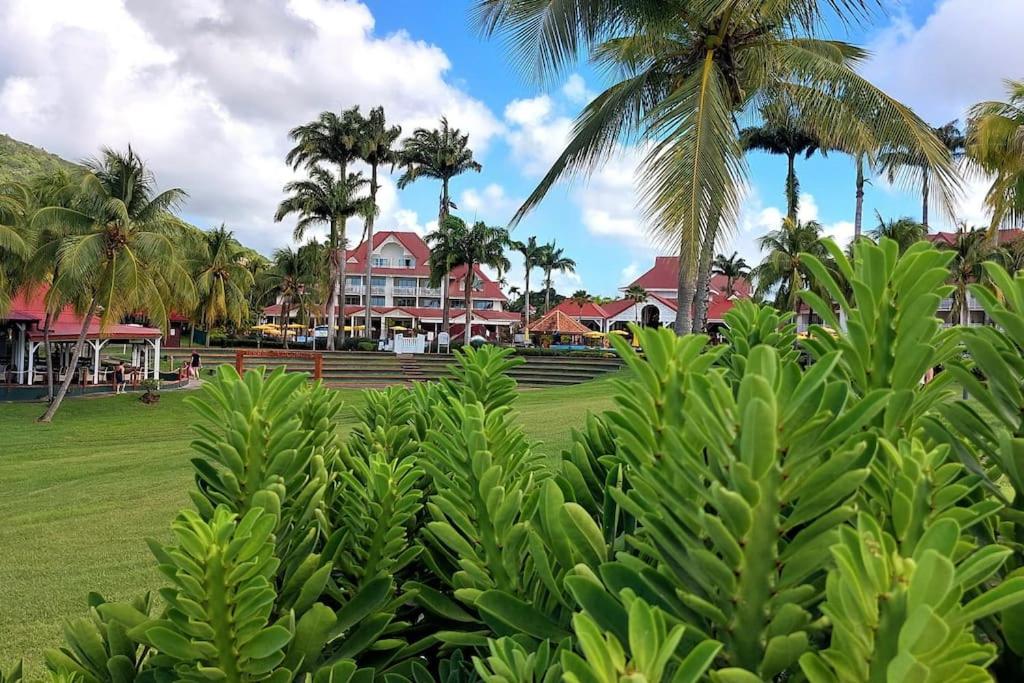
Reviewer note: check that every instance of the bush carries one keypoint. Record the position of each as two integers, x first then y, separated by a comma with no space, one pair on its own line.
737,516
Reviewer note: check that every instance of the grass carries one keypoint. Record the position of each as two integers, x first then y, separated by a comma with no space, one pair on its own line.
82,493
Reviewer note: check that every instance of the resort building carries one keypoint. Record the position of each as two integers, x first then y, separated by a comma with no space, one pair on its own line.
401,295
659,307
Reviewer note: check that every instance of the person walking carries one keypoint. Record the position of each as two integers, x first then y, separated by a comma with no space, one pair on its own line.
195,365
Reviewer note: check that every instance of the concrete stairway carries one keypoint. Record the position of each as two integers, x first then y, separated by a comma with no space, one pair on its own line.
361,369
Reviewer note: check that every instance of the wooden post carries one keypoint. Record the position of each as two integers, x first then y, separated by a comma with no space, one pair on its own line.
239,362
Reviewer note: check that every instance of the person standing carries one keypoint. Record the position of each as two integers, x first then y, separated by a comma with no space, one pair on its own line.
195,365
119,383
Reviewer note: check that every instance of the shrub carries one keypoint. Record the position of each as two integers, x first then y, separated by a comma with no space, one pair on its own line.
740,515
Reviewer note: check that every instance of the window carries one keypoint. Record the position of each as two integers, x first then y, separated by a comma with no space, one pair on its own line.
353,281
483,305
430,303
405,301
407,262
353,300
458,303
381,262
378,281
376,301
407,282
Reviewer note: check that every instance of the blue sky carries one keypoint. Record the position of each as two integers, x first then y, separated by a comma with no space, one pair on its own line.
207,89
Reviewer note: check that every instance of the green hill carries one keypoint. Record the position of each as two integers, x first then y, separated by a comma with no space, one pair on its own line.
19,160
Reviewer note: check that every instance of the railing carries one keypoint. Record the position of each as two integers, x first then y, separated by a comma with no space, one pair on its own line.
355,289
404,291
972,303
376,290
429,291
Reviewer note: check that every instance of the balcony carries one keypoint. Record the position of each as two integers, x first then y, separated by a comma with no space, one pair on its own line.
377,289
355,289
404,291
429,291
380,262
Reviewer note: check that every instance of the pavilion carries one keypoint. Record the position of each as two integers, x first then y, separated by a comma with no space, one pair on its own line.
22,336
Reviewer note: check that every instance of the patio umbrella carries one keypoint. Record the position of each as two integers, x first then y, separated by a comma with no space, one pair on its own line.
621,333
354,328
399,328
594,335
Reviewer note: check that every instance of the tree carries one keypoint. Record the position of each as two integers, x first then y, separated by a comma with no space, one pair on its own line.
291,271
331,139
376,148
734,268
995,142
686,71
531,252
782,269
552,258
323,198
580,297
223,283
917,168
783,131
441,154
904,231
15,243
121,251
971,250
637,295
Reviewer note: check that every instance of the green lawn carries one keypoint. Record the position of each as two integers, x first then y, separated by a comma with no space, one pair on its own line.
79,496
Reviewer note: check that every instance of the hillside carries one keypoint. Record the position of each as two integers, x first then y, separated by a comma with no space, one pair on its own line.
19,160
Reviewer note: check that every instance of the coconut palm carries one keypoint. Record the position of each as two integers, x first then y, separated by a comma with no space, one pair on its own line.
685,71
904,231
971,249
1011,255
119,251
733,267
291,272
782,269
377,148
783,131
441,154
325,199
580,297
995,141
330,140
531,252
637,295
914,167
552,258
223,283
15,243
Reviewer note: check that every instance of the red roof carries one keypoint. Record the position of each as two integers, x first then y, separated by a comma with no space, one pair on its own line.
948,239
664,274
489,289
557,321
613,308
30,306
588,310
412,242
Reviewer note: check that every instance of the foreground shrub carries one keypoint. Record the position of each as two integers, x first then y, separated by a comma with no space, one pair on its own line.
766,509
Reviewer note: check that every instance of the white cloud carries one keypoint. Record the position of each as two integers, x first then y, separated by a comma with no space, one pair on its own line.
629,273
958,56
206,90
489,204
535,135
575,90
608,200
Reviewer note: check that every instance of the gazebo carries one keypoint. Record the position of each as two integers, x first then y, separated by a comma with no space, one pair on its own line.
558,322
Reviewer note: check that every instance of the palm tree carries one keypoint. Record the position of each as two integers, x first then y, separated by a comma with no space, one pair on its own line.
376,148
916,168
971,249
325,199
995,142
330,139
120,253
686,70
580,297
531,252
290,272
222,281
552,258
784,132
442,154
15,244
782,269
904,231
637,295
733,267
1011,255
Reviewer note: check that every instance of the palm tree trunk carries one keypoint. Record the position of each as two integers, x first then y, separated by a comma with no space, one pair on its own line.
526,300
332,298
924,199
547,290
701,291
286,312
684,294
965,315
69,375
49,361
858,213
369,247
442,213
343,285
792,189
468,303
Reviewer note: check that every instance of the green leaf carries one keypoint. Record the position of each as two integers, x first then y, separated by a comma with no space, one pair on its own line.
266,643
518,615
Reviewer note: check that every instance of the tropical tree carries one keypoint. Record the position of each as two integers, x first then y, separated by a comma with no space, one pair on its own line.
783,269
971,250
904,231
685,72
329,140
733,267
531,252
223,283
1011,255
910,165
552,258
376,148
15,243
441,154
637,295
325,199
120,250
580,297
995,142
783,131
290,273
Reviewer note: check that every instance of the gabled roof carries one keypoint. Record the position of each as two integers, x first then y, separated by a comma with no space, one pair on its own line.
663,275
30,306
948,239
413,243
489,289
588,310
557,321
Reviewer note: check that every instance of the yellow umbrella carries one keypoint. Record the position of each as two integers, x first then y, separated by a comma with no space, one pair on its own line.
399,328
621,333
594,335
354,328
